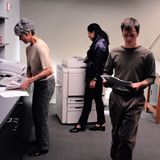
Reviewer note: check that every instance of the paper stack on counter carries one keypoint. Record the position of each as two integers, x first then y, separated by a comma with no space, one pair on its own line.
13,85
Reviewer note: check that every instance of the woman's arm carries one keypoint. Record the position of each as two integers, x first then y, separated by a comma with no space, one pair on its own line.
92,84
29,74
40,76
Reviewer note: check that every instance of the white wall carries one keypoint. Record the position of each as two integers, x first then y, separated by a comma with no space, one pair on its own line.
12,50
62,24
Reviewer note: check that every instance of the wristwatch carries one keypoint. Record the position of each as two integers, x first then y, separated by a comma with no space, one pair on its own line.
95,78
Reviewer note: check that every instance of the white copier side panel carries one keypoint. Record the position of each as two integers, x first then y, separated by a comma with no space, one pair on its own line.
61,92
70,95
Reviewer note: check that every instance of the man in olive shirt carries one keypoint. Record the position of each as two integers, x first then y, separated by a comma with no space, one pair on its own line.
130,62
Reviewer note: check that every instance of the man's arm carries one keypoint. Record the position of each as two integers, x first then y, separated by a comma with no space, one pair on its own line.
149,73
139,85
107,84
108,70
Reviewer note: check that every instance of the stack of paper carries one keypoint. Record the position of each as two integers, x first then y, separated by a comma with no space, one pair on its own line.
12,89
117,82
13,85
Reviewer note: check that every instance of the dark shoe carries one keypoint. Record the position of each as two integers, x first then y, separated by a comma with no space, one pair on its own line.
75,129
34,143
95,128
38,152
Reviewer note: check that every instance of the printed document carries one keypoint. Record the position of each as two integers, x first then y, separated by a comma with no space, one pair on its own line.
116,81
13,85
12,90
12,93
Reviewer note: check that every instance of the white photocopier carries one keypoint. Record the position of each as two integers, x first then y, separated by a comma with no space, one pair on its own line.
70,91
10,70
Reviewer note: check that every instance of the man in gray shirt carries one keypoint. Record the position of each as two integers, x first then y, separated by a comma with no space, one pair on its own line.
130,62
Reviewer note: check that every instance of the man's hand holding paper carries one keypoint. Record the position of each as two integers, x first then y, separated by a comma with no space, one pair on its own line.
107,84
113,82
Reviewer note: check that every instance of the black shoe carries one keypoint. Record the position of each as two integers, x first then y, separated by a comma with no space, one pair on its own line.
38,152
34,143
75,129
95,128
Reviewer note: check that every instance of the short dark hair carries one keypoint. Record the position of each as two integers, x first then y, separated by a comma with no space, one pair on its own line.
130,23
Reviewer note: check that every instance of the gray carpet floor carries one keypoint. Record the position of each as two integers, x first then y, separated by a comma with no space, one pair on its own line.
95,145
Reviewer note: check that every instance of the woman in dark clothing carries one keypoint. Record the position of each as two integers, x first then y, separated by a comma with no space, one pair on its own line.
96,58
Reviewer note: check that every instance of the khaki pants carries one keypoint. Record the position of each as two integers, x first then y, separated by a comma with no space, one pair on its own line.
125,113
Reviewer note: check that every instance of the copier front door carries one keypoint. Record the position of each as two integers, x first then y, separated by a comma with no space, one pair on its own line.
76,82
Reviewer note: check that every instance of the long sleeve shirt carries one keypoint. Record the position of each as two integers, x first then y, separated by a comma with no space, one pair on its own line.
131,64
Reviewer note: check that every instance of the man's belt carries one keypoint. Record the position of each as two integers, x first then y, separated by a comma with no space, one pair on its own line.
127,94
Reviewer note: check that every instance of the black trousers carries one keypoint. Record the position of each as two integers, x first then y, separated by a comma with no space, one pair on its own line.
125,113
42,94
89,95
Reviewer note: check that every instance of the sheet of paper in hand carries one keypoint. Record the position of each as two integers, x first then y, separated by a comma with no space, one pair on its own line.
13,85
117,82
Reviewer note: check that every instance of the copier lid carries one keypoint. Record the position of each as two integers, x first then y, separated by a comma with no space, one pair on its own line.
63,68
74,62
66,70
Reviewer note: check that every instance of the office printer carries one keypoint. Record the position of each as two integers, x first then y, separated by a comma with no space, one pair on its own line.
11,68
74,62
70,91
